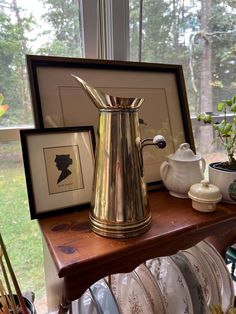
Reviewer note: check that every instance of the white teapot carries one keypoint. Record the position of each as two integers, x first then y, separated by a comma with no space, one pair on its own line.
182,169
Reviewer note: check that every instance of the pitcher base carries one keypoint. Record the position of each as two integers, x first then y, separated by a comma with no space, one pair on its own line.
119,230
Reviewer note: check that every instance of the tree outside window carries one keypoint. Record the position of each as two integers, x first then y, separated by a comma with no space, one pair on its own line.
200,35
51,28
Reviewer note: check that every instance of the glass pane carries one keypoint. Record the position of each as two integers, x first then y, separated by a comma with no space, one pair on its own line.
44,27
21,236
200,35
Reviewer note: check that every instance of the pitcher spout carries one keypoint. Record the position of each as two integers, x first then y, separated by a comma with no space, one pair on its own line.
105,101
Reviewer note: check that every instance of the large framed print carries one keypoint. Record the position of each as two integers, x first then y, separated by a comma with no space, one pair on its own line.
59,167
59,101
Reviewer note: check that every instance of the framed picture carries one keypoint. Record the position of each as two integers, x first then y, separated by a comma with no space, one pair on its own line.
59,101
59,167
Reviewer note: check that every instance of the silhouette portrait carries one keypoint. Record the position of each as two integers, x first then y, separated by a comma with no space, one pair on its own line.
62,163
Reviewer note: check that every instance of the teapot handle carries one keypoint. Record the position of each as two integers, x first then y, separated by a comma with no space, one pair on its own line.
163,170
203,164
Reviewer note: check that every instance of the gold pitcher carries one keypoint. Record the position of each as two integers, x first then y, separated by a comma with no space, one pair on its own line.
119,206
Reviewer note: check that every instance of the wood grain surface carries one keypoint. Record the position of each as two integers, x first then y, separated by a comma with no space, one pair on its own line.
83,257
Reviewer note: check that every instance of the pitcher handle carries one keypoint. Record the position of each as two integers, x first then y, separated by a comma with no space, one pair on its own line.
158,141
163,169
203,166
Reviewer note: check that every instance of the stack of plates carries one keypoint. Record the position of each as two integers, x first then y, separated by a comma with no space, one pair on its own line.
205,275
219,268
212,273
187,282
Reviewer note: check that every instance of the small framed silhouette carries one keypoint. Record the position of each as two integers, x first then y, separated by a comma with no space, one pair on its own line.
59,168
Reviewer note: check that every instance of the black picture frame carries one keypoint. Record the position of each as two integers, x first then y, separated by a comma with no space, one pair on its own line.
59,168
58,100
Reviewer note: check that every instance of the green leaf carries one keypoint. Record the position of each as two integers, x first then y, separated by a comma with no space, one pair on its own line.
233,108
234,99
229,103
227,128
223,128
199,117
206,118
220,106
234,119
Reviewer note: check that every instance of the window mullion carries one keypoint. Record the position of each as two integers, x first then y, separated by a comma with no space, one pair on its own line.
105,29
120,27
89,24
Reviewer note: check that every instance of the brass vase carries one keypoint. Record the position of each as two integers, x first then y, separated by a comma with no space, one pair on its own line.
119,206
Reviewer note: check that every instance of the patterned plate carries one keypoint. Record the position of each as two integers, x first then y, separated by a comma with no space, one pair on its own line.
219,267
173,285
205,275
130,294
152,288
195,289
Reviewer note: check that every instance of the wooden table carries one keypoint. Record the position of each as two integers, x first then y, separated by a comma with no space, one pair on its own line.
82,257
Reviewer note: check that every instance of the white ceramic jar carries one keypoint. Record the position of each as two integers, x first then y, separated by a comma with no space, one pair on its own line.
181,170
204,196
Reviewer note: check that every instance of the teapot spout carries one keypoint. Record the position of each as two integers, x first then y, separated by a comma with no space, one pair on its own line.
105,101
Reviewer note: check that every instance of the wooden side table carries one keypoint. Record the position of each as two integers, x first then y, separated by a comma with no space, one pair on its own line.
82,257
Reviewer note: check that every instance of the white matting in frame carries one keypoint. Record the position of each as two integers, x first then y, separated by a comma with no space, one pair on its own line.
59,167
60,101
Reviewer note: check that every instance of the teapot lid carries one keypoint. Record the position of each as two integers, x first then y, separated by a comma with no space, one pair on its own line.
184,153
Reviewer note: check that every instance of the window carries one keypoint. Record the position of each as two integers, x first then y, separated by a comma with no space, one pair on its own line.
200,35
27,27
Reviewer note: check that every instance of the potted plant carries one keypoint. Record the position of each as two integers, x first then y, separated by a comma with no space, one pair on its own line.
223,173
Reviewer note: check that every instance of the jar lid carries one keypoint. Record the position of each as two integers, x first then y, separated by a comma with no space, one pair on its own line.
184,153
204,192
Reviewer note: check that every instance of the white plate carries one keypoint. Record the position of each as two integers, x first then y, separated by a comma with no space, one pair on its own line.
87,304
195,288
173,285
130,294
152,288
206,276
224,279
104,297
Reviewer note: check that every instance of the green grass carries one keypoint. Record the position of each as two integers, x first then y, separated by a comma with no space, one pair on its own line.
21,235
